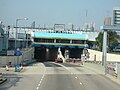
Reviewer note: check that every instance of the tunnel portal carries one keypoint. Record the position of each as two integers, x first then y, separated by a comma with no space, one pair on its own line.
43,54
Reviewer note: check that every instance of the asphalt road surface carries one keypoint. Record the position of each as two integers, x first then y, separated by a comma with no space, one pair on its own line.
58,76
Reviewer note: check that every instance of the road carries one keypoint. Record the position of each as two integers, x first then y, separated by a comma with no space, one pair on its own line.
58,76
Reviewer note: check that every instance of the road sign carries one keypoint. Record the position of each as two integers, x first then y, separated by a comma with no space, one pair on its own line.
110,27
18,52
10,53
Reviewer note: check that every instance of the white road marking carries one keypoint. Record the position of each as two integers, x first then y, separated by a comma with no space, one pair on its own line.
76,77
40,81
42,77
37,88
38,84
62,66
80,83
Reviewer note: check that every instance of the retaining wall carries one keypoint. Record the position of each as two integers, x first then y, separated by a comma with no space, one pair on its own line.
26,55
97,56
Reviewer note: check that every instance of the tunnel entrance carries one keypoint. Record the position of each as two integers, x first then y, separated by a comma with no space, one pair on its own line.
75,52
43,54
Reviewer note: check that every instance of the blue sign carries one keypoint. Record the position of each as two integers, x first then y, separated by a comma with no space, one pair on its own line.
17,68
18,52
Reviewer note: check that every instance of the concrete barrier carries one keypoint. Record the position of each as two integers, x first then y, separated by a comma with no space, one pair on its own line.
13,60
97,56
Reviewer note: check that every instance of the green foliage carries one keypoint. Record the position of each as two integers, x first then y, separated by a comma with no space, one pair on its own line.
112,39
99,40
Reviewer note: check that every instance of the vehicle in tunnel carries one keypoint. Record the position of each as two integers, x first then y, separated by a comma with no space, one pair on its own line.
59,60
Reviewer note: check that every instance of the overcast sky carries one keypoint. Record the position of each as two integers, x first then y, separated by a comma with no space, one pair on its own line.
50,12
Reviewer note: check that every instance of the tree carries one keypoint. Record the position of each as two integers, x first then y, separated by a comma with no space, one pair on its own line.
99,40
112,38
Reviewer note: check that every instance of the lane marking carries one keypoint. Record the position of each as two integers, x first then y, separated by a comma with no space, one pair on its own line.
62,66
42,77
40,81
80,83
37,88
38,84
76,77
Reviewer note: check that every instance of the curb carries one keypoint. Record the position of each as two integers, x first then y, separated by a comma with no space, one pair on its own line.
22,70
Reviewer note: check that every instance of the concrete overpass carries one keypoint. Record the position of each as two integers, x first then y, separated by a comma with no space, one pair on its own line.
47,44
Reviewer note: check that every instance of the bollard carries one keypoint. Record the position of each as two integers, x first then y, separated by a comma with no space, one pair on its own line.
6,68
115,75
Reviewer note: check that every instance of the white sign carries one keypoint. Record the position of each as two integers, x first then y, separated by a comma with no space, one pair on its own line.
59,27
118,67
10,53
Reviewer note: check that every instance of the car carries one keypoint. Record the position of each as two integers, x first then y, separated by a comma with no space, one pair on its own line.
117,48
58,60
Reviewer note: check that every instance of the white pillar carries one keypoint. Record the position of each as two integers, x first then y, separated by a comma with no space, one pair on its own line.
104,57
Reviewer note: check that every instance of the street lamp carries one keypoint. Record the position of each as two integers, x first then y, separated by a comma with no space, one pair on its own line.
16,36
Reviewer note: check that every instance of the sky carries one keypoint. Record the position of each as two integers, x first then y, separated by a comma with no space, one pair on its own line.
50,12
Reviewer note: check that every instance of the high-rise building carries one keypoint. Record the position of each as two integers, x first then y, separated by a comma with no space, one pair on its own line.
89,26
70,27
33,24
116,15
107,21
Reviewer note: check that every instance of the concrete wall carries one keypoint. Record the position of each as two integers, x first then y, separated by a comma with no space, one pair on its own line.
98,55
27,55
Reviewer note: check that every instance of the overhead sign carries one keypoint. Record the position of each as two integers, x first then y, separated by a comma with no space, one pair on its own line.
110,27
59,27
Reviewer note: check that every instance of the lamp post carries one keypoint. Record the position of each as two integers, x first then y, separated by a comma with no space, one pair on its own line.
16,35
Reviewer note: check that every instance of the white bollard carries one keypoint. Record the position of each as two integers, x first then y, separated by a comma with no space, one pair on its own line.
6,68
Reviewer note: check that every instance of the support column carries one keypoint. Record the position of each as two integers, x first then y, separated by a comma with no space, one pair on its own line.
66,54
104,57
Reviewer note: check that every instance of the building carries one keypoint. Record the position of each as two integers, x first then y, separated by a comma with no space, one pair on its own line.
57,37
3,40
89,27
33,25
116,16
23,39
1,37
70,27
107,21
